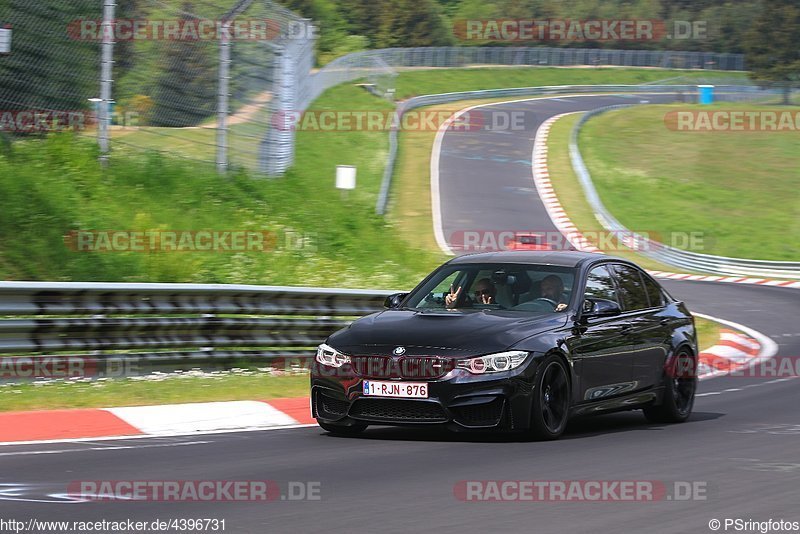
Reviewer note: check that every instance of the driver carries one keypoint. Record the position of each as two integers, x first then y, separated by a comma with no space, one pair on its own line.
553,290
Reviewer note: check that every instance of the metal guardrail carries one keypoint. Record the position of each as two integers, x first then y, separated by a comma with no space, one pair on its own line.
733,93
161,324
658,251
461,56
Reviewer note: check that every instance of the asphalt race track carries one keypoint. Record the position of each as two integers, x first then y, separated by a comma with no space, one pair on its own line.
742,444
471,202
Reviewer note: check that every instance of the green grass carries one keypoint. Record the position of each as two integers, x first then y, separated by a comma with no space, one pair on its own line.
740,189
708,332
130,392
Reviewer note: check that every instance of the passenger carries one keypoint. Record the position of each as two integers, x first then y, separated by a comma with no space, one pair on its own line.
485,293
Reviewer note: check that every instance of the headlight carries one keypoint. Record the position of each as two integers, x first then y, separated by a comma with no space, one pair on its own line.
493,363
327,355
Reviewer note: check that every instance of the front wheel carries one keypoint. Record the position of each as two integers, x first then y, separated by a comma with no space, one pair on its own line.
680,385
343,430
550,410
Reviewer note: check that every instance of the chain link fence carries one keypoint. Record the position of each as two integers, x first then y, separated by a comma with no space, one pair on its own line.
215,81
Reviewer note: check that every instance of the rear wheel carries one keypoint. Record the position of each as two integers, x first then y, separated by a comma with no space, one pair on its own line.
550,410
343,430
680,385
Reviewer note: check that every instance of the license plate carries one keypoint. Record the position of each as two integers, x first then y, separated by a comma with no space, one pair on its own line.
404,390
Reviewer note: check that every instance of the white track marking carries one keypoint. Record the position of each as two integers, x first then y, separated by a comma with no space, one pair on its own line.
109,448
145,436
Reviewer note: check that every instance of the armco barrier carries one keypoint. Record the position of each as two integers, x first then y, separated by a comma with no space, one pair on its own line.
159,324
683,259
140,328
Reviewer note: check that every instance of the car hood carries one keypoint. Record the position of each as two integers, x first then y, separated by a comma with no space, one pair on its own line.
446,333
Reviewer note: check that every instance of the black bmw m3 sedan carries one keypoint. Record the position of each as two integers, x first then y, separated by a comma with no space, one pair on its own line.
512,341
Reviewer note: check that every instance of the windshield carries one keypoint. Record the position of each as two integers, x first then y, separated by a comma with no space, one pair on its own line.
496,286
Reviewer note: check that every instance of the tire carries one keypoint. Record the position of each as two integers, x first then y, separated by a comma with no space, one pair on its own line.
551,400
680,386
343,430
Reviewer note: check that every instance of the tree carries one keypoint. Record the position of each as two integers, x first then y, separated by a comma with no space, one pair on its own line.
49,68
772,46
186,87
413,23
363,16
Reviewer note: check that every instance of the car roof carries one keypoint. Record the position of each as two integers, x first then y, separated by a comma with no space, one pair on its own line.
536,257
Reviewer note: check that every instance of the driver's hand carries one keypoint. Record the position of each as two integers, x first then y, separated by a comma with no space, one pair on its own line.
451,298
486,299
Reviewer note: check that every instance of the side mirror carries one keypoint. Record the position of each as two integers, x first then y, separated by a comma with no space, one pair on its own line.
599,308
393,301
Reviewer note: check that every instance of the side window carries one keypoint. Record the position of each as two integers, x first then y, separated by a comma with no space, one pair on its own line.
600,285
654,292
448,282
435,299
631,288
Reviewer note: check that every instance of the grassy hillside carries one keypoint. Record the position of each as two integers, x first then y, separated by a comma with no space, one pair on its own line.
49,188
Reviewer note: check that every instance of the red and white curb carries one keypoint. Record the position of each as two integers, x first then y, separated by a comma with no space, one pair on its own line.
153,421
541,178
726,279
735,351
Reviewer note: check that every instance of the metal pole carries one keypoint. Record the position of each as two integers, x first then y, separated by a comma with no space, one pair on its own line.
107,62
222,98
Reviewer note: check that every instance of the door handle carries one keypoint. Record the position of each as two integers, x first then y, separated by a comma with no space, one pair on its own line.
626,329
664,322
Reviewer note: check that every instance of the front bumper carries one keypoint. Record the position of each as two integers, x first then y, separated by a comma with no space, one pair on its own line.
459,400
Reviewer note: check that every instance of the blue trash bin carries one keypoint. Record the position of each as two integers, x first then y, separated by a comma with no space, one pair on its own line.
706,94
